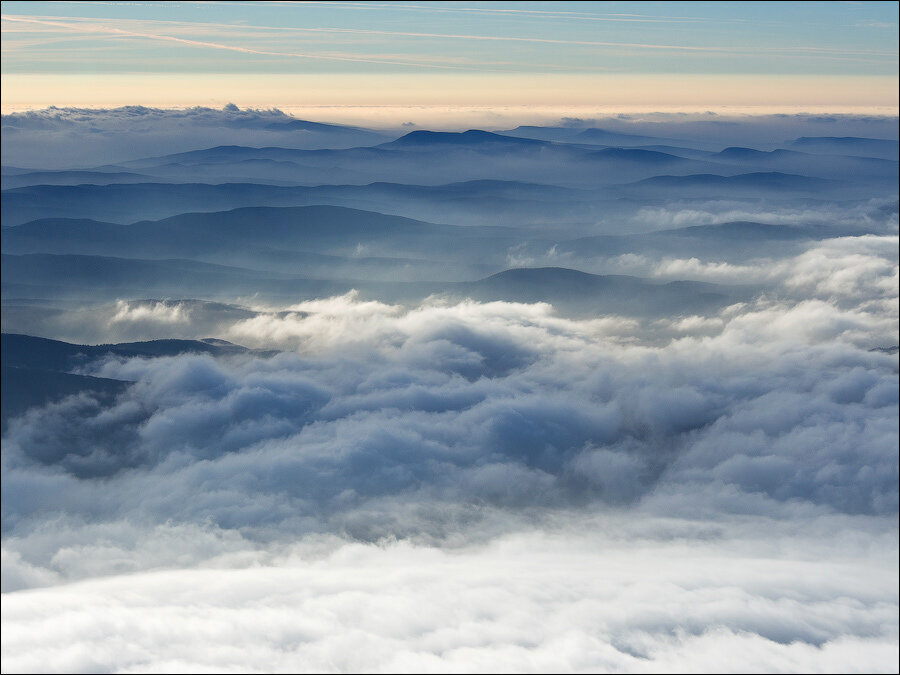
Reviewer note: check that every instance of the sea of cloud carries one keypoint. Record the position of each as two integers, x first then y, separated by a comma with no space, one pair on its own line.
599,598
481,486
474,486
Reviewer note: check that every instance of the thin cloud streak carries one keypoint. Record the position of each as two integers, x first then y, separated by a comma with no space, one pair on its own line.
536,13
799,52
215,45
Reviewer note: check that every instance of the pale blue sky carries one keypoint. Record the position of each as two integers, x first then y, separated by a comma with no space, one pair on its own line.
627,37
470,39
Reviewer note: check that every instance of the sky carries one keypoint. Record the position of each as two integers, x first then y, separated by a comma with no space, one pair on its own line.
389,56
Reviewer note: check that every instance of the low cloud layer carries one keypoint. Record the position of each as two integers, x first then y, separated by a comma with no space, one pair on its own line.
850,270
856,274
380,417
755,130
877,215
473,485
536,602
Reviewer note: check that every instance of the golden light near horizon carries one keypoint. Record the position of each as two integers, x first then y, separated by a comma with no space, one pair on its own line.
390,97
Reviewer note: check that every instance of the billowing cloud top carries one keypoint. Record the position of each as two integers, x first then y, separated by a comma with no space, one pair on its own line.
450,425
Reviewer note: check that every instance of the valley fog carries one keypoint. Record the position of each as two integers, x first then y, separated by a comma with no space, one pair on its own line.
615,394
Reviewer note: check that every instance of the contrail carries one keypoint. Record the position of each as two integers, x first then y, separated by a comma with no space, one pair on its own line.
216,45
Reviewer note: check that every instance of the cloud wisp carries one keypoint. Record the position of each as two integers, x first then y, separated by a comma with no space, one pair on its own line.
150,29
110,30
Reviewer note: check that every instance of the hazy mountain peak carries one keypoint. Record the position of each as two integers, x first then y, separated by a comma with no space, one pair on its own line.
470,137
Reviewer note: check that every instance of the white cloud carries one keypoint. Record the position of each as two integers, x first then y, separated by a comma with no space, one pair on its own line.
423,422
862,215
577,601
475,486
850,270
151,313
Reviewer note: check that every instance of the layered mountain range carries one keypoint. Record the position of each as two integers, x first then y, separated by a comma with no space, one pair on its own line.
581,218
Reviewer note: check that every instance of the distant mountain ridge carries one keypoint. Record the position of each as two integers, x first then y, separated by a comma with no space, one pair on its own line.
129,203
106,278
582,293
28,351
472,137
590,135
753,183
307,241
